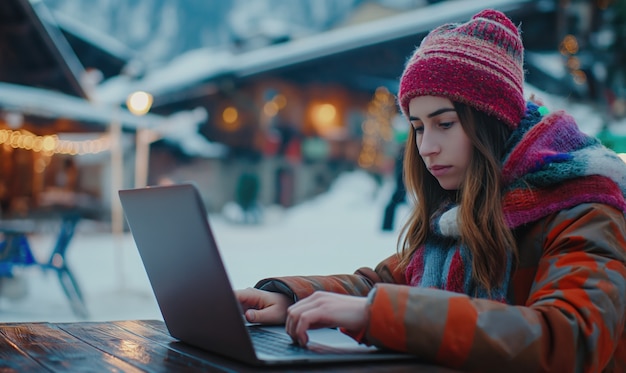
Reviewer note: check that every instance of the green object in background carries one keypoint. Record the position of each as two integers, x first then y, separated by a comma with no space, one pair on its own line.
612,141
400,135
315,148
247,190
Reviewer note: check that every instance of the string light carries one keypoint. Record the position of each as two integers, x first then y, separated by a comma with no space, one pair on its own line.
377,127
51,144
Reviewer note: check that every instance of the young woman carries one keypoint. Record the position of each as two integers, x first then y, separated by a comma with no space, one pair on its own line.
514,256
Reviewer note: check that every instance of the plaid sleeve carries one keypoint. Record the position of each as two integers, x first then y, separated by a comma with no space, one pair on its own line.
573,318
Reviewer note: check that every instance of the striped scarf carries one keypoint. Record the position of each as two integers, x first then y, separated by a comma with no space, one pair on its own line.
551,166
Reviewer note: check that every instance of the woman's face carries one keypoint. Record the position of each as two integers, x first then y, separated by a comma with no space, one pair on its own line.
441,140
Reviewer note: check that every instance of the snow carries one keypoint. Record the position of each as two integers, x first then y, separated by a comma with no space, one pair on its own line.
550,62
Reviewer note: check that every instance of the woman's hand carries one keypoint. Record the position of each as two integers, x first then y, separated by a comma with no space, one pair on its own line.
262,306
325,310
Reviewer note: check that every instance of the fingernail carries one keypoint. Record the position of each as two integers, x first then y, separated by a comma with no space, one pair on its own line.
251,315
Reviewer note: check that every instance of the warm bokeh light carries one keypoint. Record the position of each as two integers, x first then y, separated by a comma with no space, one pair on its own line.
569,45
326,113
280,100
270,108
230,119
139,103
51,144
573,63
230,115
324,118
579,77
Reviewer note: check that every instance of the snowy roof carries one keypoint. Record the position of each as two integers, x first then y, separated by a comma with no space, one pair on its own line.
180,129
204,64
95,49
50,104
365,34
99,39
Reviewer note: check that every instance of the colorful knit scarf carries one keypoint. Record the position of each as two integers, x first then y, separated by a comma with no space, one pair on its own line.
550,166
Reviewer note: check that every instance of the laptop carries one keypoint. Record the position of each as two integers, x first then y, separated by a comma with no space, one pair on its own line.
182,261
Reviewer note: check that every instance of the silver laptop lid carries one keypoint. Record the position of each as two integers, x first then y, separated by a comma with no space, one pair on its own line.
191,286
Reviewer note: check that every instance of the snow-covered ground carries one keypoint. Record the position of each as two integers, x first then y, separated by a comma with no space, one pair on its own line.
336,232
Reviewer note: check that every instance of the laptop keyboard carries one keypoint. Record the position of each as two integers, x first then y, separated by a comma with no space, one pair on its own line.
281,344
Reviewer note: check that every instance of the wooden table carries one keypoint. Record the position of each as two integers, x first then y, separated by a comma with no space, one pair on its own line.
134,346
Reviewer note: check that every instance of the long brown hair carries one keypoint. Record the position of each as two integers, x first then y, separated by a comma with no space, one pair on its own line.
481,219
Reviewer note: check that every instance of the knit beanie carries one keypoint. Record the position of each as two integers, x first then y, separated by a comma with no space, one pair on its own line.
478,63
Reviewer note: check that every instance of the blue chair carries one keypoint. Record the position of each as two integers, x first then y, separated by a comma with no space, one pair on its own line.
15,250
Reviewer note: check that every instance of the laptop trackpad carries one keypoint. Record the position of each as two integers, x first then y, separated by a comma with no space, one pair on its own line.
328,337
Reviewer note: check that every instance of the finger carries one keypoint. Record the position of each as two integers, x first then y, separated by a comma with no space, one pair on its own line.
269,315
248,298
251,315
298,321
292,321
294,325
303,324
288,328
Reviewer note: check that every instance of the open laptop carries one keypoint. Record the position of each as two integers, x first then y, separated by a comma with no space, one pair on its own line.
172,233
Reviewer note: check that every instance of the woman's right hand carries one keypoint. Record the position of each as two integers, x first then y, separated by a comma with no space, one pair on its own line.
265,307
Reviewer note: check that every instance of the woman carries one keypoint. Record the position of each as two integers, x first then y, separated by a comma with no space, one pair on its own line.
514,256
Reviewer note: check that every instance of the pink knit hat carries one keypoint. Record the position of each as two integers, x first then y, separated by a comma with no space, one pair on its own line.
478,63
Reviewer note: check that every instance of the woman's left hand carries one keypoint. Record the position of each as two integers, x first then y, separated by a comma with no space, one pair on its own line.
325,310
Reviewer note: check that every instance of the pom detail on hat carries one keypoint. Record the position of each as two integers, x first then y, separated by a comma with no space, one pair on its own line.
478,63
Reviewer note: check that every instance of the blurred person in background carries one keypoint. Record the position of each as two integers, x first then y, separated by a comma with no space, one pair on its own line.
246,196
513,256
399,193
